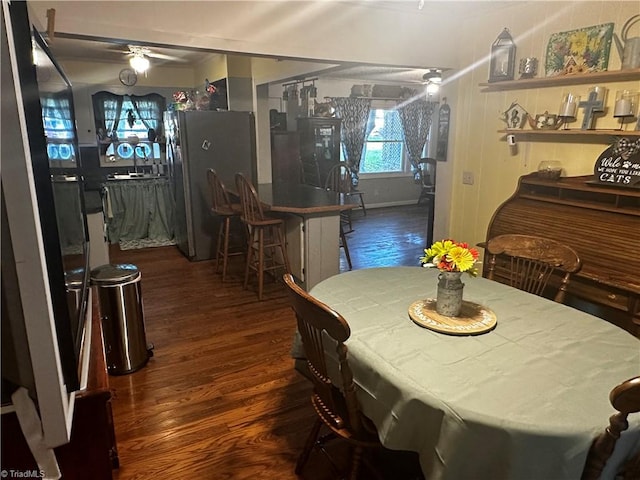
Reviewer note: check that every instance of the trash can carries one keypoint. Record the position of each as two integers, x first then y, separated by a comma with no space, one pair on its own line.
121,312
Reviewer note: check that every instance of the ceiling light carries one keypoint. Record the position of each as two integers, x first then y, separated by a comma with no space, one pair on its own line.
139,63
434,75
432,88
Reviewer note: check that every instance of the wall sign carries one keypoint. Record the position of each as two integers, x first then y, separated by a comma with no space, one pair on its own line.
444,115
619,164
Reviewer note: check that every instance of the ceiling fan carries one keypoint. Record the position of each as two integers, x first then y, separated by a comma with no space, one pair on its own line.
432,79
139,56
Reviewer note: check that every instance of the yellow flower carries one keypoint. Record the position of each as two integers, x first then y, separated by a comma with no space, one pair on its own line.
579,43
440,249
461,258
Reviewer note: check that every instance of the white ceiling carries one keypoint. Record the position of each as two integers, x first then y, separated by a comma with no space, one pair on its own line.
109,50
67,47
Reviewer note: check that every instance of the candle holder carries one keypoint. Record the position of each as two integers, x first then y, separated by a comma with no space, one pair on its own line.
626,106
568,108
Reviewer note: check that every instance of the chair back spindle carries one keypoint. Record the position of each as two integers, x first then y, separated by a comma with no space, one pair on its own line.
339,178
336,404
531,261
625,398
220,201
252,211
266,246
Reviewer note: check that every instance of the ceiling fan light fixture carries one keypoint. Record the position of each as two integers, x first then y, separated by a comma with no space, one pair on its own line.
432,89
434,75
139,63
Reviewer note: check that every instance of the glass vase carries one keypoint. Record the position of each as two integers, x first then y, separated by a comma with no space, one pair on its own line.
449,298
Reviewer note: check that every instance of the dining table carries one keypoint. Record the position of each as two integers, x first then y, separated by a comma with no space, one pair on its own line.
523,400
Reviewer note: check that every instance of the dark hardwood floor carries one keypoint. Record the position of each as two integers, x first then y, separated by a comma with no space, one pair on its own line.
220,398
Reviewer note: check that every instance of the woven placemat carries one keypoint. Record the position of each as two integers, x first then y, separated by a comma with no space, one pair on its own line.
474,319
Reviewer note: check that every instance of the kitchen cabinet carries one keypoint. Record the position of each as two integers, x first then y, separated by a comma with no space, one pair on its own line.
92,450
285,157
319,147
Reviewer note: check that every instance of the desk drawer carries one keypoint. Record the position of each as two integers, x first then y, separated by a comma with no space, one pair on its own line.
604,295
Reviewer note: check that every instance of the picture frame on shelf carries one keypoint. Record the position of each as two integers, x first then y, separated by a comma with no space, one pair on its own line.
515,116
579,51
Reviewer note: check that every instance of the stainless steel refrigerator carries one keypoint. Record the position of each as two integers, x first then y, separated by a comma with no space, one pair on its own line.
196,141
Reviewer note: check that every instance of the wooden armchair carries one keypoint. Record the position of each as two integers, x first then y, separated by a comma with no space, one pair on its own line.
527,262
335,403
625,398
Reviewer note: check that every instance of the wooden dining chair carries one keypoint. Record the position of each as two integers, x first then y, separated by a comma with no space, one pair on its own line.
339,180
266,248
426,176
334,400
221,206
625,398
527,263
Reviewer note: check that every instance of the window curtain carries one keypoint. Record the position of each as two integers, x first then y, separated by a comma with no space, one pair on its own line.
56,110
354,113
107,108
149,109
416,121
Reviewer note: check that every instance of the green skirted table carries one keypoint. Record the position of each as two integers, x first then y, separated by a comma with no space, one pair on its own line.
139,209
522,401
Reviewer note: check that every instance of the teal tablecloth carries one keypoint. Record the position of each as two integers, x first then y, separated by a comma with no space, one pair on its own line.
523,401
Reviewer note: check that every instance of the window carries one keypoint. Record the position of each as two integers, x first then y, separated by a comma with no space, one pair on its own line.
122,118
58,126
383,150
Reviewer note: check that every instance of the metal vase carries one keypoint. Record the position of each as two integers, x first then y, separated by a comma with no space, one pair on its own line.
449,299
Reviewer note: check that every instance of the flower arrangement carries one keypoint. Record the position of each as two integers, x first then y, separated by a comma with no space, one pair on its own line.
451,256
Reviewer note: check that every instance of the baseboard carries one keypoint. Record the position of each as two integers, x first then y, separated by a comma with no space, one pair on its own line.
398,203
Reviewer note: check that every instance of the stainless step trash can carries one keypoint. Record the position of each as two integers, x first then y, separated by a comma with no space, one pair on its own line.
121,312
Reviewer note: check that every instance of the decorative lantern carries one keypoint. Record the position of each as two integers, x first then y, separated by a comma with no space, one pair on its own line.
503,58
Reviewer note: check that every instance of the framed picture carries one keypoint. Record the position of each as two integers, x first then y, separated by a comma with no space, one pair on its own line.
444,115
579,51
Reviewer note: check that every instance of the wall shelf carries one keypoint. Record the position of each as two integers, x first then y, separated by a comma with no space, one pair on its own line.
543,82
572,133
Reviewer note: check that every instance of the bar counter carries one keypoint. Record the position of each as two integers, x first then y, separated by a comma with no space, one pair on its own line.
312,224
303,199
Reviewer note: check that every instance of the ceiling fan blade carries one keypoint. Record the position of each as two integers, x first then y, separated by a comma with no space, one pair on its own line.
163,56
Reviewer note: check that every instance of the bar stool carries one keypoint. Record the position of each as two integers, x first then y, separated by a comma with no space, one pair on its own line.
339,180
266,236
222,207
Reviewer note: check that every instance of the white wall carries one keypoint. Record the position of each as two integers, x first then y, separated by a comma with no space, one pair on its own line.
476,145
